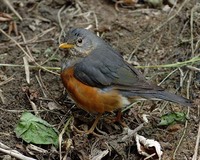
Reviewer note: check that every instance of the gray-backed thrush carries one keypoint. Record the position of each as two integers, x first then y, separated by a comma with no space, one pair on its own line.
101,81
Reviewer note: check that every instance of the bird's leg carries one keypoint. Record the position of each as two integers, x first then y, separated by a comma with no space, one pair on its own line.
119,118
91,130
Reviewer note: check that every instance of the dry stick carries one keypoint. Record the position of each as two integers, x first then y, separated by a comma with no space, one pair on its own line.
96,22
60,23
13,153
33,105
27,42
31,66
2,97
194,157
43,33
7,80
157,29
15,43
174,6
191,30
27,71
150,156
28,50
12,9
193,68
188,86
46,31
44,88
61,135
193,50
39,82
42,84
26,64
167,76
186,123
181,77
22,111
39,66
177,64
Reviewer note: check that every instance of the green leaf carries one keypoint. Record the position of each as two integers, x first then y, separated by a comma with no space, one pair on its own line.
33,129
172,118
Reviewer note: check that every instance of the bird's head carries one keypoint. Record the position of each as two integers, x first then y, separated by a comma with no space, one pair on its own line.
80,41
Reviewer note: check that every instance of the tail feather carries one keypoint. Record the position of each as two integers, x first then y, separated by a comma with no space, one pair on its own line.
174,98
165,95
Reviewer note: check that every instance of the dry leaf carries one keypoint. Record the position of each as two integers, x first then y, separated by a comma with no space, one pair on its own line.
147,147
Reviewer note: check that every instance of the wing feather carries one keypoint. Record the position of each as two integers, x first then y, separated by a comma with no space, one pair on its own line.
106,68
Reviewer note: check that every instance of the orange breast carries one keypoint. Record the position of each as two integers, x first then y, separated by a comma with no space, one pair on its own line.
90,98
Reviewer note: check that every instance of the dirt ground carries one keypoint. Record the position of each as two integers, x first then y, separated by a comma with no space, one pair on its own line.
146,36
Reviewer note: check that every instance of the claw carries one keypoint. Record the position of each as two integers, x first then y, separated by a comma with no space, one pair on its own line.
91,130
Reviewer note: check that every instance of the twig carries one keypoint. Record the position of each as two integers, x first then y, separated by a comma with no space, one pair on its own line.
177,64
28,50
13,153
194,68
194,157
60,23
181,77
186,122
191,30
44,88
31,66
25,51
27,71
96,22
157,29
132,133
6,45
167,76
33,105
2,97
16,43
12,9
61,135
7,80
21,111
41,85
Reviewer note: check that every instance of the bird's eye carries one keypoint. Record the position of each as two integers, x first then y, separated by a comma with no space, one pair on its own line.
79,41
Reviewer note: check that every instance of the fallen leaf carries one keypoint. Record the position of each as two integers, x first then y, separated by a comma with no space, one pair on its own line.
148,147
172,118
33,129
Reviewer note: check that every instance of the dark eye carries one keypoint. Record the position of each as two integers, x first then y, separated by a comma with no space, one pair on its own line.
79,41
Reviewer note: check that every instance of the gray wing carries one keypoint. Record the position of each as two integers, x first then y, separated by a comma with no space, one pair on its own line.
106,68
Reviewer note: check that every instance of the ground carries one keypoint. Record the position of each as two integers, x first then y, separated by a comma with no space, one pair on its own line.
145,36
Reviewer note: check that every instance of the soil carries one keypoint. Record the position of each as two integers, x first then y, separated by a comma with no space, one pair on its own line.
144,35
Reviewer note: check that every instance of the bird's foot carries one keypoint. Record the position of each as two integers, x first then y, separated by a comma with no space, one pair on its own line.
120,121
90,131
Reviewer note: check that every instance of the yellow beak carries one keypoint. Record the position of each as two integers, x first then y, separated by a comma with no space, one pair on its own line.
66,46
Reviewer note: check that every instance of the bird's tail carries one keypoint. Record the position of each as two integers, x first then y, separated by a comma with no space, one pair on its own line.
165,95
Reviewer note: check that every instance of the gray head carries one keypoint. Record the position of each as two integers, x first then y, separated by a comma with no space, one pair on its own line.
81,41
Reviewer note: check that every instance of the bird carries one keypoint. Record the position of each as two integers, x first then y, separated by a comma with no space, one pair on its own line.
100,80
